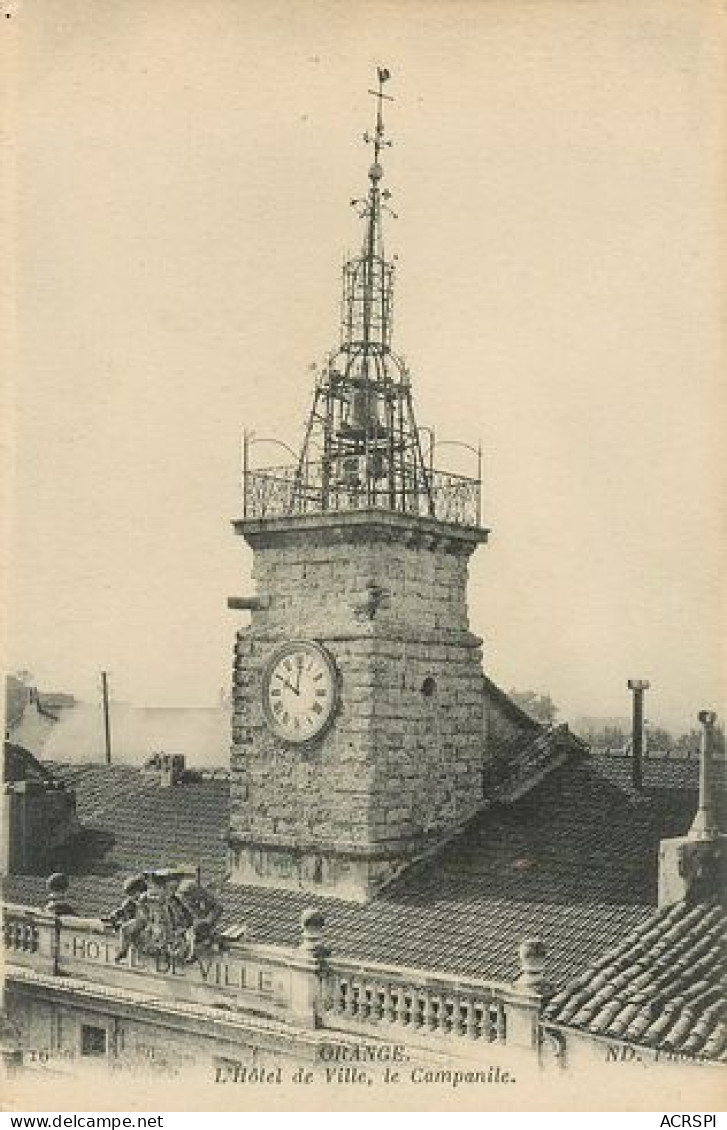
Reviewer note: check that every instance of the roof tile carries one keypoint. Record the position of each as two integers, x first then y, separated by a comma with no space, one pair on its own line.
669,997
574,861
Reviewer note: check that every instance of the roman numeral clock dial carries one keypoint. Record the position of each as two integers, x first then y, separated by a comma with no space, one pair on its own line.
299,691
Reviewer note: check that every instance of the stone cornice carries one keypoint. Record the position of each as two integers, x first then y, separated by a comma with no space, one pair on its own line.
358,526
391,633
382,849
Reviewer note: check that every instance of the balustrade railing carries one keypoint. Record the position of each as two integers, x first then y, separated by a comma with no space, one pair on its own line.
414,1000
19,934
274,981
304,985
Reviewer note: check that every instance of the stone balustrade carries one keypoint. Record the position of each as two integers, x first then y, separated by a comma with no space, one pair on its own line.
20,935
416,1004
29,938
280,982
297,988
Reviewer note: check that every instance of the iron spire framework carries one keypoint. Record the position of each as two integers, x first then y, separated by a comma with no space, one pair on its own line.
362,448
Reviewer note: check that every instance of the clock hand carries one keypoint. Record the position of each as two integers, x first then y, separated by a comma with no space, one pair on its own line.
297,684
290,686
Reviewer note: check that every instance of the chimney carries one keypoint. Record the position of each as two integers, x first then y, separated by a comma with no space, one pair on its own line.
692,867
171,769
705,825
637,687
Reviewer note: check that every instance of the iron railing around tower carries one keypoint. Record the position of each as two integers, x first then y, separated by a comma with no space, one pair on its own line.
289,489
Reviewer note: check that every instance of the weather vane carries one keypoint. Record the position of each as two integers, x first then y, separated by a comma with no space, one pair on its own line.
378,137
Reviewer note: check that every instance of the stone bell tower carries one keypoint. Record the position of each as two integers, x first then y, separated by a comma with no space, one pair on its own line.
358,730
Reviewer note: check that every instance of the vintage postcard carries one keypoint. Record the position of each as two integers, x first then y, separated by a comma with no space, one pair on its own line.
363,446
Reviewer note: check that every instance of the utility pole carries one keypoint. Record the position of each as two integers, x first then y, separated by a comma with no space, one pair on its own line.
106,719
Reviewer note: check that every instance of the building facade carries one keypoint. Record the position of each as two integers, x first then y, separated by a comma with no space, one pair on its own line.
399,857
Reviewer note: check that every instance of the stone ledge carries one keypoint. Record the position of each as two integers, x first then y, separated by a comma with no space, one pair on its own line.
441,637
383,849
357,525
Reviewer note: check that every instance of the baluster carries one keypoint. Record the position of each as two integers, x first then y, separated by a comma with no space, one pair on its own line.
355,998
366,998
342,996
486,1021
329,993
420,1005
427,1017
392,1011
491,1021
332,994
458,1020
501,1024
470,1024
379,1001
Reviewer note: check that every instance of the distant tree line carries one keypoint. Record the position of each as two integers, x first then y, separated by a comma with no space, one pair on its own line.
539,706
657,737
542,708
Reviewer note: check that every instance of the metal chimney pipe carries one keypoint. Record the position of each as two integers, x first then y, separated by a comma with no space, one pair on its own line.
704,826
638,686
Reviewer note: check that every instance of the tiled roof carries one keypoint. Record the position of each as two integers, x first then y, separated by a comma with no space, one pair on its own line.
517,768
508,705
662,986
659,773
131,823
20,765
574,861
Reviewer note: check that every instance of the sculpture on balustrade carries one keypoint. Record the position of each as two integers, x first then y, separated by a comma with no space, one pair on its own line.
166,913
57,886
204,911
126,918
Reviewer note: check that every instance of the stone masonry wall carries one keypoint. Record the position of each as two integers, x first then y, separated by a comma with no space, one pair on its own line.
403,759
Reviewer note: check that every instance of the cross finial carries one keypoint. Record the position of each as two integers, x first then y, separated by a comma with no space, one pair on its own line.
378,138
383,76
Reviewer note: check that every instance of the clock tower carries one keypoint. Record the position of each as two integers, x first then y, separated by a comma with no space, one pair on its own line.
358,706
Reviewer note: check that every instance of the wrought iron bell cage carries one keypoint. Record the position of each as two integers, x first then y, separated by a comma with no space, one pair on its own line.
362,448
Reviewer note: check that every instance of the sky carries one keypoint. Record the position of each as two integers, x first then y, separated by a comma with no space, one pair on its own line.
183,173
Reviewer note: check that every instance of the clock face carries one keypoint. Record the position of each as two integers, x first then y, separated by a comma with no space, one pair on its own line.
299,691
